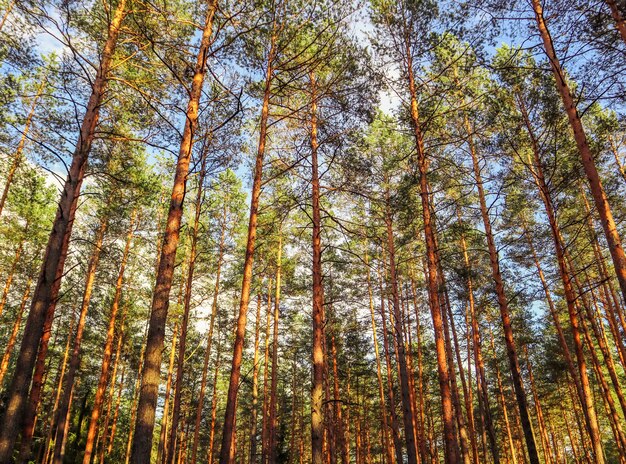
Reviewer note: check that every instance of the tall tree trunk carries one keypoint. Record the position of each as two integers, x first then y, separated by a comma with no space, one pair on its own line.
59,390
150,375
70,376
107,418
207,353
255,383
14,263
133,409
407,409
597,191
228,431
214,405
452,453
395,429
8,350
46,291
420,378
18,156
108,349
187,305
317,414
481,380
516,374
266,376
381,389
273,451
545,440
162,449
109,447
570,297
505,412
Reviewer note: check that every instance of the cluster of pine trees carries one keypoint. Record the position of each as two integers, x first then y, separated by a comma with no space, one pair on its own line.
312,231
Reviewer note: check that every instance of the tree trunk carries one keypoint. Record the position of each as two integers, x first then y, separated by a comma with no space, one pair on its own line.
108,349
255,383
107,419
46,291
18,156
240,333
481,380
207,353
381,390
452,454
187,306
407,409
8,350
597,191
273,452
392,402
65,405
162,449
544,192
150,375
214,405
59,390
9,281
516,374
266,360
317,414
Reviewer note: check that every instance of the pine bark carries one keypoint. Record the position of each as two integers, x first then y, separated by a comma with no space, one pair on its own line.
407,409
255,384
618,17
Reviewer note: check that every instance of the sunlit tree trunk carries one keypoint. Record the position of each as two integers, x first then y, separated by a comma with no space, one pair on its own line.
481,380
559,244
255,383
11,275
618,17
407,409
317,415
235,371
70,376
8,350
150,375
597,191
18,157
162,449
266,377
108,350
273,452
505,315
452,453
207,353
381,389
392,402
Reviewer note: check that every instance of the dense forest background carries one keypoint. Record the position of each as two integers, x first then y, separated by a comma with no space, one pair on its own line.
309,231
